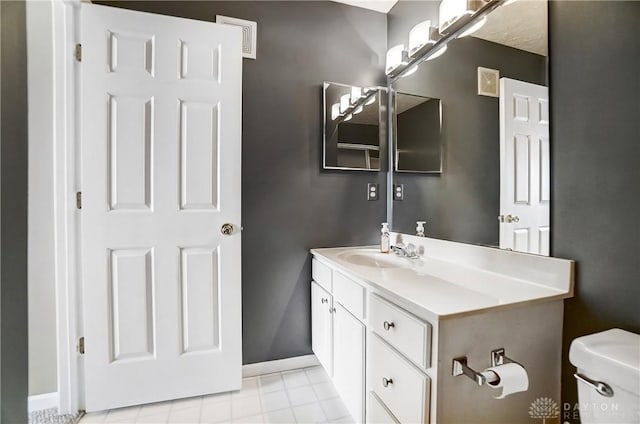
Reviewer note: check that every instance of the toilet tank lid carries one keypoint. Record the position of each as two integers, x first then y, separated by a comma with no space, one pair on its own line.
612,356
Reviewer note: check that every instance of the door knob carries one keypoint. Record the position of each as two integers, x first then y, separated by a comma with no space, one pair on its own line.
227,229
508,219
386,381
388,325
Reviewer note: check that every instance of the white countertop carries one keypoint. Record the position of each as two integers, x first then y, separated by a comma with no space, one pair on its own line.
442,288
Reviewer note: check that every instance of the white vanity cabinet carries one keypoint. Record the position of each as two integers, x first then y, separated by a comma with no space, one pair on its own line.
349,360
388,330
321,326
397,377
338,334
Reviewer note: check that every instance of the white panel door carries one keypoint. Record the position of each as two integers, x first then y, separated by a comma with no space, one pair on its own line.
524,167
321,326
348,360
161,143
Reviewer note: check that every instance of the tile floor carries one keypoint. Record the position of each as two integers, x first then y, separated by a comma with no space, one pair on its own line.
300,396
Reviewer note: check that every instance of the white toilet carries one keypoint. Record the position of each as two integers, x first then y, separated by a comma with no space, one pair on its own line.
608,376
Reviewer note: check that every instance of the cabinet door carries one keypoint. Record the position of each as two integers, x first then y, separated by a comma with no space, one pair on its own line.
321,316
348,361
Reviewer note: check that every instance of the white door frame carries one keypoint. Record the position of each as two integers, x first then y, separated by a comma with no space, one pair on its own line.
65,22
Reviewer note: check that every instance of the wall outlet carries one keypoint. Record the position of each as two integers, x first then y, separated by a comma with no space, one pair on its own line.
398,191
372,191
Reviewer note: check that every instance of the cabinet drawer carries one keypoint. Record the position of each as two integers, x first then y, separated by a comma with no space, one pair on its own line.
408,334
321,274
349,293
377,413
406,393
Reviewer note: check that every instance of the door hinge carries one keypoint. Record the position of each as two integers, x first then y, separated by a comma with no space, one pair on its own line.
77,53
81,345
78,200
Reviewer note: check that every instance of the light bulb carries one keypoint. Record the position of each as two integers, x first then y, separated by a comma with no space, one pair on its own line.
335,111
356,93
453,11
419,36
473,28
395,58
345,100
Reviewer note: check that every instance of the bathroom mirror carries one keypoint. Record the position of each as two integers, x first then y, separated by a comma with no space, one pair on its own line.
418,134
353,125
493,87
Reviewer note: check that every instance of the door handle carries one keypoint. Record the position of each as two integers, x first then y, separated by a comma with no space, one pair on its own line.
227,229
508,219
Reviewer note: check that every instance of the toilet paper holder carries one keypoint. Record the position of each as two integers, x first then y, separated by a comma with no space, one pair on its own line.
498,357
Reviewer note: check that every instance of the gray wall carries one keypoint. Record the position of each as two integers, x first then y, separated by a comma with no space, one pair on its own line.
595,129
462,203
288,204
13,221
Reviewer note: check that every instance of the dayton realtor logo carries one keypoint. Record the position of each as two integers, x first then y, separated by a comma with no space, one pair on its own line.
544,408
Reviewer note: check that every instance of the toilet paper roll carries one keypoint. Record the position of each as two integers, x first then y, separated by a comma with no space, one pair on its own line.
513,379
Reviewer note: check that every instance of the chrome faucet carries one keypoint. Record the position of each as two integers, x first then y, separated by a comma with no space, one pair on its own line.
409,251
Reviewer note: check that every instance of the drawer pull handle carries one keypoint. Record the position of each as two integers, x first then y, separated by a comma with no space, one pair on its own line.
324,300
386,381
388,326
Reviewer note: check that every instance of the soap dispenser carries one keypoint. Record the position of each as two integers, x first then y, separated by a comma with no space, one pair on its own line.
385,239
420,228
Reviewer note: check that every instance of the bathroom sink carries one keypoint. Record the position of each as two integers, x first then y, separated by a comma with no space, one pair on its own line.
373,259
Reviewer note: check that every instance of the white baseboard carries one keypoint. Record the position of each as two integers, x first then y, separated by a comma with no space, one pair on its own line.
43,401
279,365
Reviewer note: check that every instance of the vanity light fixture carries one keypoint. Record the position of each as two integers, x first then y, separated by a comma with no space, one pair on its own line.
397,57
345,102
353,103
335,111
458,18
455,13
356,93
422,35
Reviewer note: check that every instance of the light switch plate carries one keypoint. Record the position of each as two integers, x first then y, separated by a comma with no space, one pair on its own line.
398,191
373,191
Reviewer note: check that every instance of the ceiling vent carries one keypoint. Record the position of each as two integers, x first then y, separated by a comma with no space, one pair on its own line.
249,33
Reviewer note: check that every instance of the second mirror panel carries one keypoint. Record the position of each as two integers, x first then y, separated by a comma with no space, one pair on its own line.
494,185
418,133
